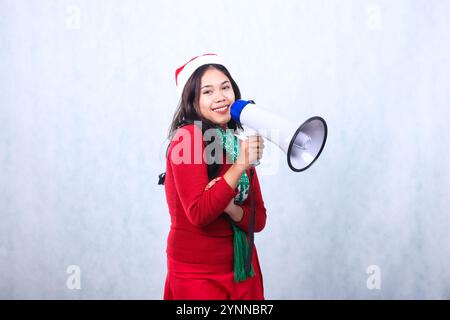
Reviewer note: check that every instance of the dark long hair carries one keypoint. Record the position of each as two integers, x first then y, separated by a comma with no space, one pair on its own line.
188,109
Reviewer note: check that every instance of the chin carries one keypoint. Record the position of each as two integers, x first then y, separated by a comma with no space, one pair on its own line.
224,120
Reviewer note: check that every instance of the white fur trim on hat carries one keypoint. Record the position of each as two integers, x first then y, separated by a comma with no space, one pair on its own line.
183,73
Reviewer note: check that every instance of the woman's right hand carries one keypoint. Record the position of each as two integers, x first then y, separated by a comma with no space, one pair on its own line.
251,150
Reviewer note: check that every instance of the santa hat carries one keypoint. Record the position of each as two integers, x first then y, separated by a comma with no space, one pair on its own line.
183,73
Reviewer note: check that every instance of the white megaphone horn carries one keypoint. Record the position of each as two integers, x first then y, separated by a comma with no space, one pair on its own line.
302,144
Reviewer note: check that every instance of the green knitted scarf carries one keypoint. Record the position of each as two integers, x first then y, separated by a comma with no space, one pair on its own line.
231,145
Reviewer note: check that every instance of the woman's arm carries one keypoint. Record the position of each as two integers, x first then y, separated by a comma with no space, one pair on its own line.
235,212
233,174
250,150
190,176
260,209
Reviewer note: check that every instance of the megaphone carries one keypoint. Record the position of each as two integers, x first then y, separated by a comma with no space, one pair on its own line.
302,144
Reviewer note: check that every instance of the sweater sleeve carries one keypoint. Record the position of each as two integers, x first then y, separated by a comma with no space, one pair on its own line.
260,210
190,174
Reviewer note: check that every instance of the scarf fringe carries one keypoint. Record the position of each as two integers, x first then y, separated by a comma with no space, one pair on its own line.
231,144
240,254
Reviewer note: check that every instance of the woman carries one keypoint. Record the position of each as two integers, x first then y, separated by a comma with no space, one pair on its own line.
207,191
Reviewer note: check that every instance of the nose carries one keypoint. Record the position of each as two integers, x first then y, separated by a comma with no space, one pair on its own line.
220,96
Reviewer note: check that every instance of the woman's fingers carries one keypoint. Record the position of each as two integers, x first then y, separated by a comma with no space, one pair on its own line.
256,146
251,150
256,141
260,154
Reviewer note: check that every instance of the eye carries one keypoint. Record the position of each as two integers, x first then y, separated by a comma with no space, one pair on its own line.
226,87
207,92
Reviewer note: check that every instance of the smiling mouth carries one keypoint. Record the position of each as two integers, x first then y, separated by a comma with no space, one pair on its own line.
222,109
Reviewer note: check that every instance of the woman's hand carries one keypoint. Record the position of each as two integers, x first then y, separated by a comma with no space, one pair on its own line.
251,150
234,211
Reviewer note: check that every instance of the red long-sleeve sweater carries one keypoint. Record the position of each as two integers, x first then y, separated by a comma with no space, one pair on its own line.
200,231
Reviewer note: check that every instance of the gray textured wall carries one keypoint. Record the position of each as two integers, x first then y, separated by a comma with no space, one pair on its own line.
86,95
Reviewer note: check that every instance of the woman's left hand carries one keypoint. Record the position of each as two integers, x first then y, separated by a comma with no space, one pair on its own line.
234,211
230,207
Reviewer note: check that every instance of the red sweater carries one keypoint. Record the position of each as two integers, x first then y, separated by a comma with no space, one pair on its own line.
200,231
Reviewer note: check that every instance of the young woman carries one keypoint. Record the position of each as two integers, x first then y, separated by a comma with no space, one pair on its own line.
210,190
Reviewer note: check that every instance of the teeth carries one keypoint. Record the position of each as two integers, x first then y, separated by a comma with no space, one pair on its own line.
221,109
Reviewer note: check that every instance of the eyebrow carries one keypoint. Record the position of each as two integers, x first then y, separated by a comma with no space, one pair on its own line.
211,85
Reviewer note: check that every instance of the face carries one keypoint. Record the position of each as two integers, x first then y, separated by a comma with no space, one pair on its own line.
216,96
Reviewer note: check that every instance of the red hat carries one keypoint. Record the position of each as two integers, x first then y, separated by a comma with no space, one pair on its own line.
183,73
